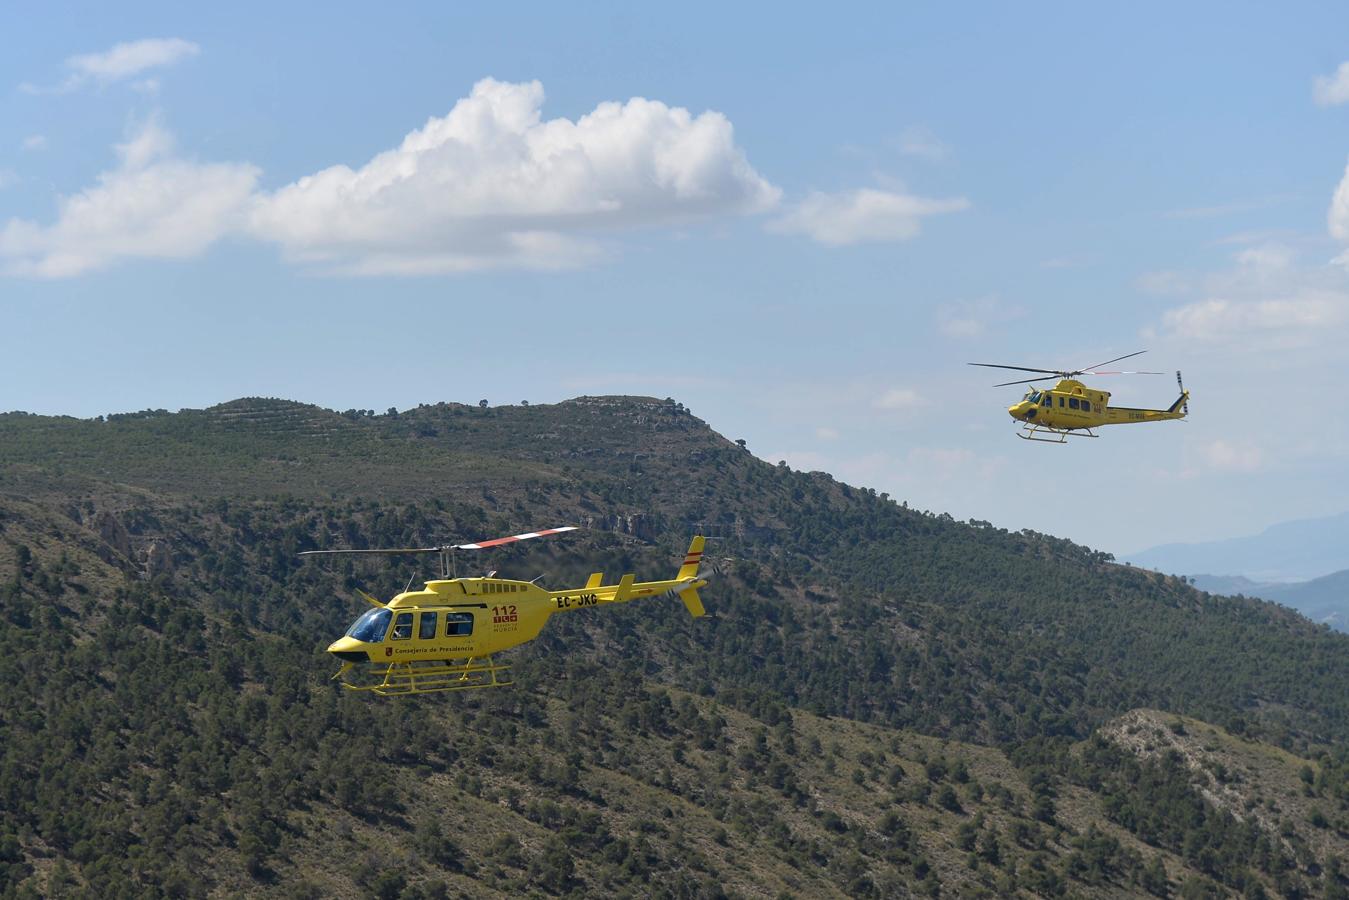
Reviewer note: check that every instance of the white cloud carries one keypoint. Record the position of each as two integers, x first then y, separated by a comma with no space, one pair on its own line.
825,433
1267,256
1227,457
149,143
121,61
132,58
1337,219
1265,301
1332,90
152,205
867,214
492,184
899,398
973,318
920,142
1221,319
34,142
1231,208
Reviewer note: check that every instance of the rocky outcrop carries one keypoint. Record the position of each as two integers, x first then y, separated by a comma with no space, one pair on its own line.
639,525
113,534
158,560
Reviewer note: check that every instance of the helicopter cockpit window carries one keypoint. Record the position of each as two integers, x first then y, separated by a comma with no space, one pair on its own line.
402,627
426,626
370,627
458,624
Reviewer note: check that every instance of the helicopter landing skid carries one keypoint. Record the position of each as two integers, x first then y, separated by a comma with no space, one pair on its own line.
431,676
1061,435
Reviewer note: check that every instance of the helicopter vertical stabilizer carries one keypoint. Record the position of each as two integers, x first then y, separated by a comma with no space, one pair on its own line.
691,560
1182,405
689,571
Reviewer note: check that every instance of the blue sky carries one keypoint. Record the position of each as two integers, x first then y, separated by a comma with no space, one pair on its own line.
801,223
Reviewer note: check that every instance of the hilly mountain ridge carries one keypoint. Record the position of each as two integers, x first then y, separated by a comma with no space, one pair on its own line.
174,679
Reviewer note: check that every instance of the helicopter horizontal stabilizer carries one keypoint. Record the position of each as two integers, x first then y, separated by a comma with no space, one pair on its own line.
594,581
693,602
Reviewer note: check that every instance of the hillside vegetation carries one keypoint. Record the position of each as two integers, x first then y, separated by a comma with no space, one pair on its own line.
884,701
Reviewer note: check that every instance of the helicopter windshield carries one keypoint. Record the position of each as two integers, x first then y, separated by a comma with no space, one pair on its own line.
1033,396
371,626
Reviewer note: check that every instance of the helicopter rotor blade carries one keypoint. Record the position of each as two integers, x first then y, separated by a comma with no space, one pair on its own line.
444,548
393,551
1121,373
483,545
1027,381
1109,361
1018,368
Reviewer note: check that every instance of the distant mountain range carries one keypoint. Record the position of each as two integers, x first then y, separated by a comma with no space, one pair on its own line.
1301,550
1324,599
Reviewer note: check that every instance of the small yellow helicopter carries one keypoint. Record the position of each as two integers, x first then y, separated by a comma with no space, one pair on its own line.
1071,409
442,637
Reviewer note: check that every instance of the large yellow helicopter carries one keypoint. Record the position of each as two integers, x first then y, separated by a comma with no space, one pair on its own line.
442,637
1071,409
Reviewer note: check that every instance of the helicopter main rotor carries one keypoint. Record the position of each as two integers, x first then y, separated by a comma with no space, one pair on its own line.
446,551
1061,373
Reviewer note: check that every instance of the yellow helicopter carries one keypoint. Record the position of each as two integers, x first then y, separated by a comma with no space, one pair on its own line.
443,637
1071,409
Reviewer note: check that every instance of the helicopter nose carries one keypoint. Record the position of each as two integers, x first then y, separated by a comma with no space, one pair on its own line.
348,649
1018,410
344,643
